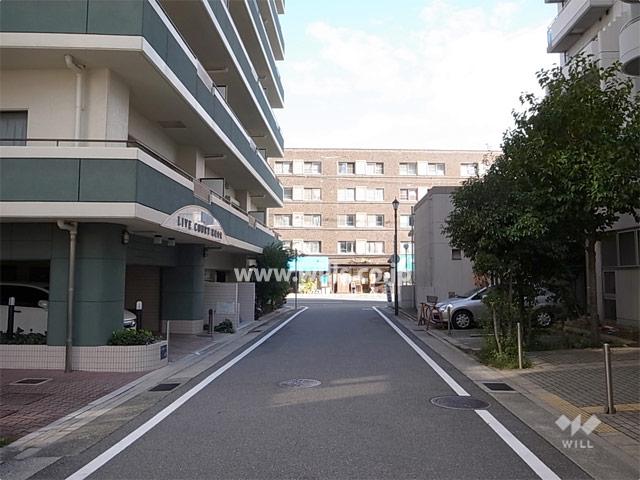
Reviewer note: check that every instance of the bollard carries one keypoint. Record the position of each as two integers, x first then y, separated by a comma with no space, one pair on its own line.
609,407
11,316
449,322
519,330
211,322
139,315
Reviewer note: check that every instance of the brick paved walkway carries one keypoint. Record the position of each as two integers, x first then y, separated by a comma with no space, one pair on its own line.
26,408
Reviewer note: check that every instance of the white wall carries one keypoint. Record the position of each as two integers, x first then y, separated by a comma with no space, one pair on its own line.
151,134
106,114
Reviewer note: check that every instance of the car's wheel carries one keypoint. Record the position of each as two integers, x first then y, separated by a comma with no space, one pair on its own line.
462,319
544,318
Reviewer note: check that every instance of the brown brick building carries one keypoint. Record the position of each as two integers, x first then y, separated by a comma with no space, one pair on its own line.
338,205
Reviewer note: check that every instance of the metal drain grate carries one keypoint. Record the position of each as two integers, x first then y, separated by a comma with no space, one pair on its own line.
498,387
460,403
300,383
164,387
31,381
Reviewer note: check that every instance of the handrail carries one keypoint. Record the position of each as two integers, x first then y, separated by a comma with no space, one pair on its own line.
129,144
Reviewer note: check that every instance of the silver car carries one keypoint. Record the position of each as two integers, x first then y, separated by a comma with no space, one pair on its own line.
468,309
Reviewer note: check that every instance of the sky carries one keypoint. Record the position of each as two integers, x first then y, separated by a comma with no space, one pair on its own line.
425,74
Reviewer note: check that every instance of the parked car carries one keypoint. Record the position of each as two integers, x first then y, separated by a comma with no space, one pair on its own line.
468,309
32,305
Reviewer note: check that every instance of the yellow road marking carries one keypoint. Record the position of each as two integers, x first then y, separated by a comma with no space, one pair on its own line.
571,411
623,407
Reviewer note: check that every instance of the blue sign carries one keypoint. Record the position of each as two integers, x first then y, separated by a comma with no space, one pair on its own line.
310,264
406,262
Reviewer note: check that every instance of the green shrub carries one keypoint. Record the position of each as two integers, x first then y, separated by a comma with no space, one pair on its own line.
21,338
132,337
224,327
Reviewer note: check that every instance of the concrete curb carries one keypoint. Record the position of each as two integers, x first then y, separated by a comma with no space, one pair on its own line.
186,368
606,461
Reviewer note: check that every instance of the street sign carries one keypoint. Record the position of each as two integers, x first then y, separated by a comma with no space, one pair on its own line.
310,264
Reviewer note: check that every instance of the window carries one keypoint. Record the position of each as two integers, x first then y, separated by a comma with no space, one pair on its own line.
283,168
13,127
347,195
311,247
375,195
408,169
312,168
312,221
375,220
409,194
375,168
405,221
346,247
312,194
375,248
347,220
282,220
346,168
627,246
435,169
468,169
288,193
456,254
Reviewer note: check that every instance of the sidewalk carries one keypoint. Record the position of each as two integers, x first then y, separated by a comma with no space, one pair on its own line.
562,382
37,416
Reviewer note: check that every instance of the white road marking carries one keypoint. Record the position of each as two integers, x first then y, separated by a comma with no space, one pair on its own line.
537,465
118,447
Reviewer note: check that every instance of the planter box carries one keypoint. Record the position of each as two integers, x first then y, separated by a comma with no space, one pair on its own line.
140,358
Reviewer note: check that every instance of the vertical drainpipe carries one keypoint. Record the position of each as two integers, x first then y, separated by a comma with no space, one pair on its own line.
79,71
72,228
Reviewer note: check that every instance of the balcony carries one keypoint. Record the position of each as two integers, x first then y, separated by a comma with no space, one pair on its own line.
137,41
269,12
66,178
630,47
210,31
572,21
251,28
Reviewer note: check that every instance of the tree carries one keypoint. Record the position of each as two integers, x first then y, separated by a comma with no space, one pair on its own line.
270,294
575,154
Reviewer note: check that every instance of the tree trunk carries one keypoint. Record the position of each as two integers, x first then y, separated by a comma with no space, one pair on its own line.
592,292
496,329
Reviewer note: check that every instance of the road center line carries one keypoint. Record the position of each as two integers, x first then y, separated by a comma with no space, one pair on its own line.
537,465
118,447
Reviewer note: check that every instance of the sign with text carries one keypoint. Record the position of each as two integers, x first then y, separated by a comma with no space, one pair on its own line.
196,221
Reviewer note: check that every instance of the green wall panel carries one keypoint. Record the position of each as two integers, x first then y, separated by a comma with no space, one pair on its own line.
154,30
27,179
55,16
180,64
115,17
108,180
157,191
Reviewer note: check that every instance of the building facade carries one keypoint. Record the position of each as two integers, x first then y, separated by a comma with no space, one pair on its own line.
139,128
609,30
338,204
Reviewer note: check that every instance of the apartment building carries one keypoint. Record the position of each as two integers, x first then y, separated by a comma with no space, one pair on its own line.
610,31
136,131
338,204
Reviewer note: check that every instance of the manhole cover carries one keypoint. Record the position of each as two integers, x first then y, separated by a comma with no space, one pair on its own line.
459,403
300,383
164,387
498,387
31,381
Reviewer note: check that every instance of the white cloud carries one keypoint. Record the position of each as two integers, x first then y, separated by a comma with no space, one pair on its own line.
451,83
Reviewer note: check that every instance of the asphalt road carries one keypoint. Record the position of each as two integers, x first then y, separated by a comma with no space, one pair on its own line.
371,417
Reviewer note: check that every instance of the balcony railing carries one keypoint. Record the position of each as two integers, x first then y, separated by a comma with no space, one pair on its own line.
199,187
264,38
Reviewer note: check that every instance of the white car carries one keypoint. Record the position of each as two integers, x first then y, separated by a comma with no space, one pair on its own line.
32,305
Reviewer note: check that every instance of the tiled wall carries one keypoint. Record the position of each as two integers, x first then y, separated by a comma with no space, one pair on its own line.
89,359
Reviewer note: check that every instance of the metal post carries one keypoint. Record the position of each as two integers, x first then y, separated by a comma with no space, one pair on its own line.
520,360
168,324
297,281
211,322
609,407
449,321
138,314
11,316
395,260
72,228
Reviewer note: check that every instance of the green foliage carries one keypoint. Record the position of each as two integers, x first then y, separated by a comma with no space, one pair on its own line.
308,285
505,359
224,327
21,338
131,337
271,294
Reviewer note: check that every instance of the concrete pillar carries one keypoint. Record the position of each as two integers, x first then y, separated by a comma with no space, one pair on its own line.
183,290
99,295
191,160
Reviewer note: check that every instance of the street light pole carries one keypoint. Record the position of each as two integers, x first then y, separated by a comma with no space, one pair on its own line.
406,262
297,280
395,204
